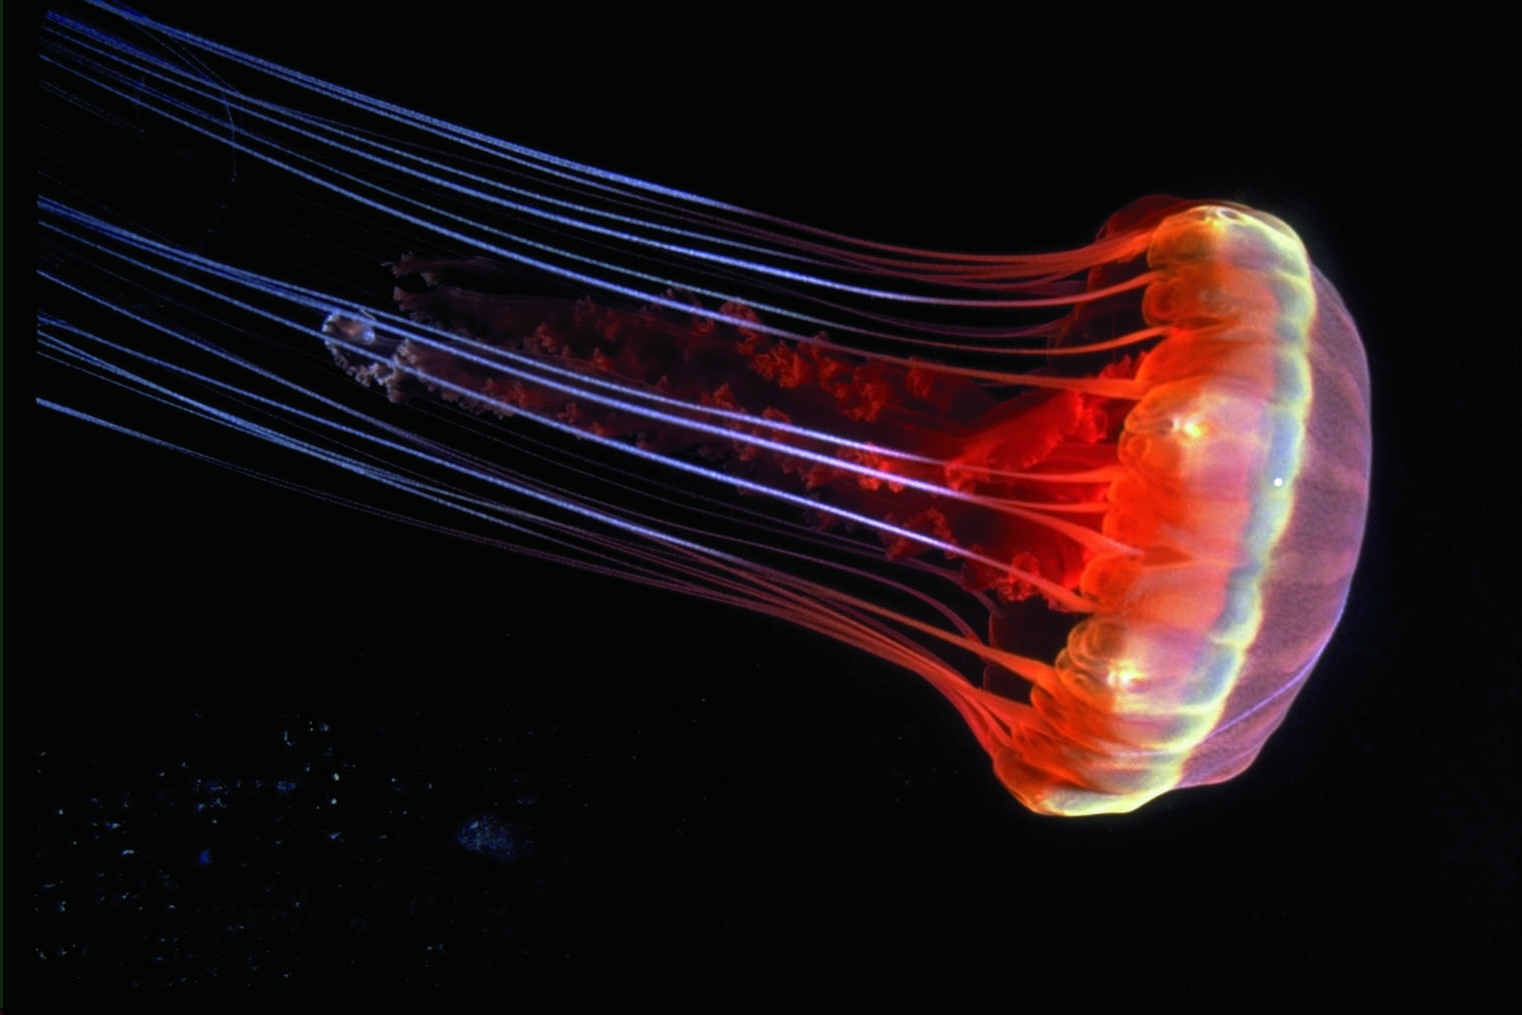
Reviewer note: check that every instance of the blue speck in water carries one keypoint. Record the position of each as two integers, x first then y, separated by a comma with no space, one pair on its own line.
492,838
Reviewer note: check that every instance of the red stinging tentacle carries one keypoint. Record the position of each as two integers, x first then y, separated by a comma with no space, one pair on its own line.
919,416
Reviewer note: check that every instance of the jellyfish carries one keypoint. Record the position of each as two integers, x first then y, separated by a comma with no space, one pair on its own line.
1108,502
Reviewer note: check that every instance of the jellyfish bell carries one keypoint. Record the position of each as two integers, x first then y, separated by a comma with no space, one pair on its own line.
1160,439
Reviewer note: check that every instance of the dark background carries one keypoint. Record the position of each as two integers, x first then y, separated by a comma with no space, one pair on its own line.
267,739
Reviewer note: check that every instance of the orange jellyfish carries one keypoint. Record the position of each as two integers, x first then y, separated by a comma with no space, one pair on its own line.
817,428
1196,506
